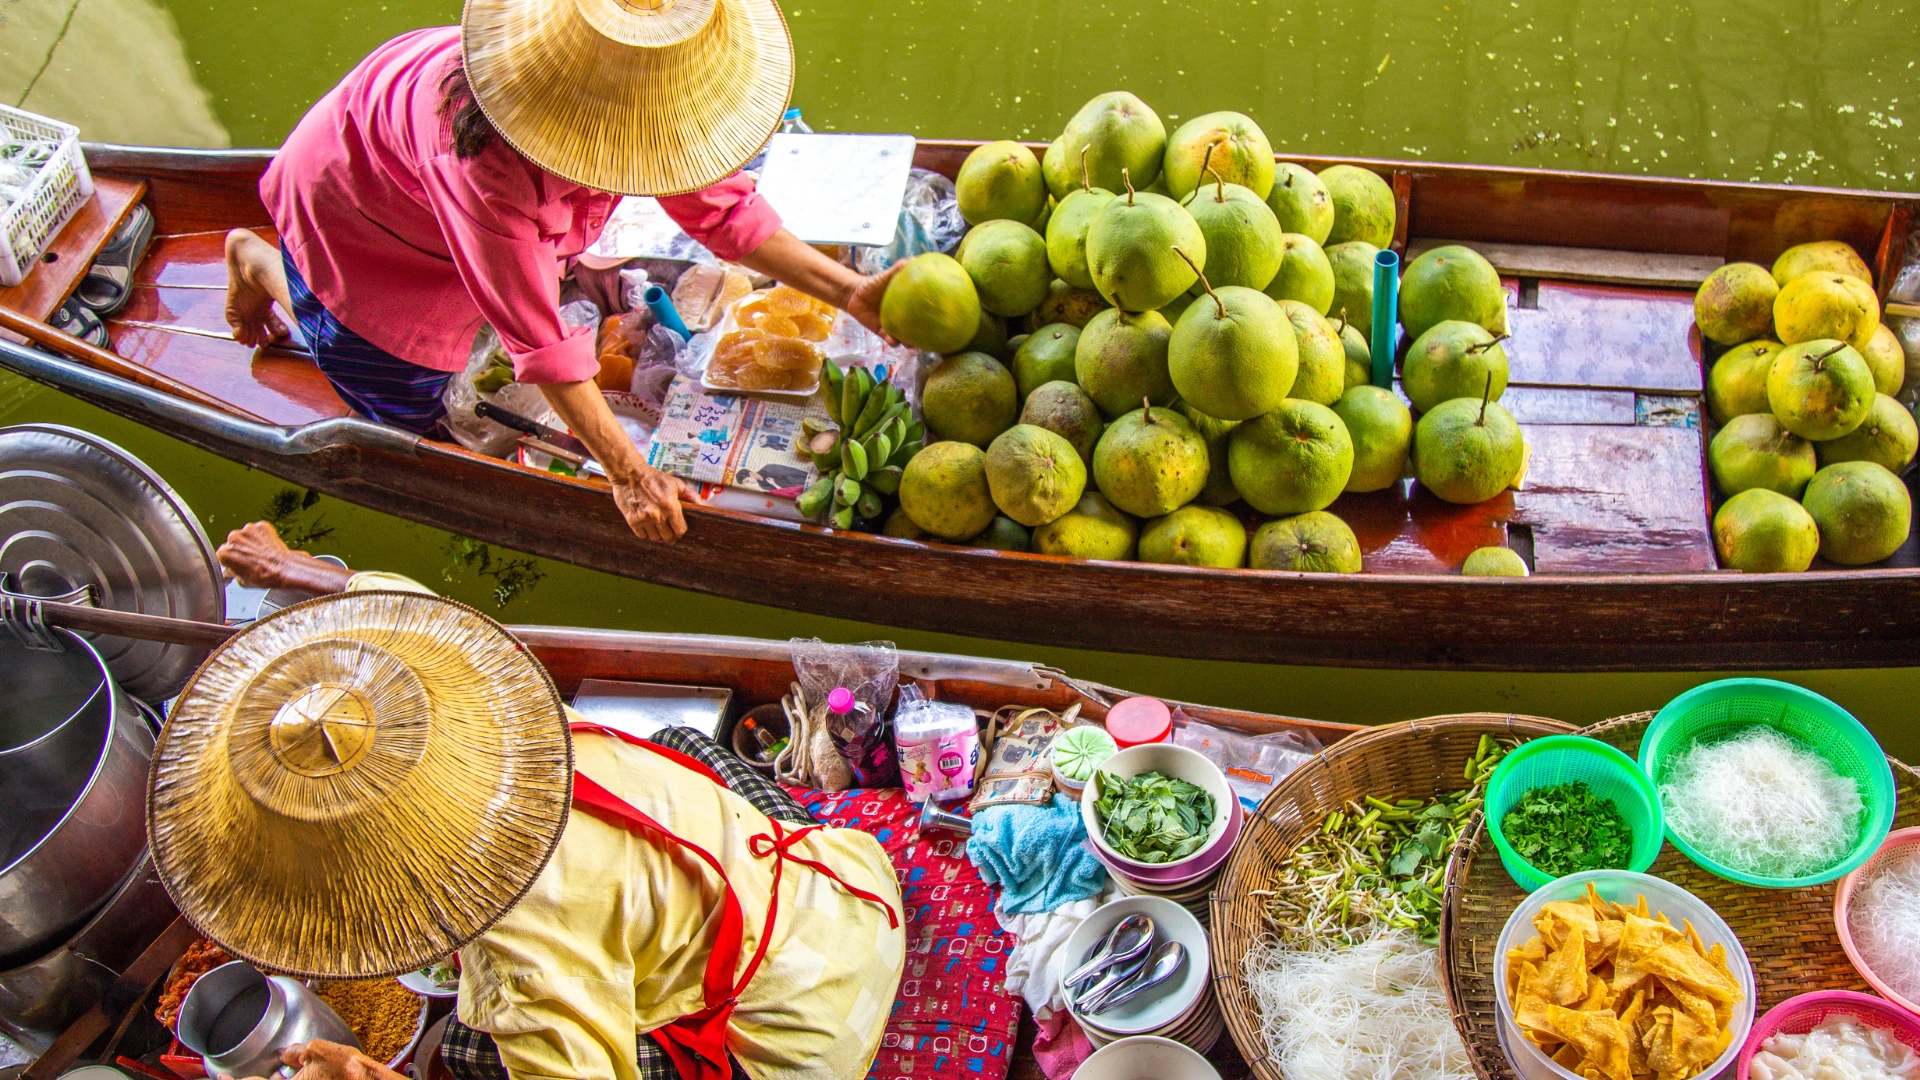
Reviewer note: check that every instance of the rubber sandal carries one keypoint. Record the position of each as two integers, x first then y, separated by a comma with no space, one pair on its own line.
109,281
79,320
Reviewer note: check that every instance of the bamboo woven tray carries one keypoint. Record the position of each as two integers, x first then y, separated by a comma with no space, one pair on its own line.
1788,933
1417,759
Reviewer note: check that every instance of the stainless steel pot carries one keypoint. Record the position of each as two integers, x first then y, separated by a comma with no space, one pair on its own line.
73,773
239,1020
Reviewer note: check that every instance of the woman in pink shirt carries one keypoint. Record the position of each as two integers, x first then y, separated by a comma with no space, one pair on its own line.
450,175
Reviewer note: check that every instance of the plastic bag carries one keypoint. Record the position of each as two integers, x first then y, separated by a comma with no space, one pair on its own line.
929,221
639,229
476,433
657,364
869,670
938,743
1253,763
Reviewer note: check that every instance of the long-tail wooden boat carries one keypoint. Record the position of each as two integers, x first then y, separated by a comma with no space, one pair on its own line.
1606,378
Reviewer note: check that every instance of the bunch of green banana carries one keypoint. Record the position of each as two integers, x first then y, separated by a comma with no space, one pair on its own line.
863,448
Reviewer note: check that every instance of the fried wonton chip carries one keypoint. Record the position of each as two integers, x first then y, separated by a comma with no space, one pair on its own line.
1602,1040
1680,967
1565,972
1560,918
1642,936
1535,950
1531,998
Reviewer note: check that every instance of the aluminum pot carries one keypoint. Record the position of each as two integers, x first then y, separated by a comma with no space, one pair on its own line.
73,771
239,1020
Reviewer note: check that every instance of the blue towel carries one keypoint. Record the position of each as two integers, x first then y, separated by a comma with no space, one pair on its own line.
1036,854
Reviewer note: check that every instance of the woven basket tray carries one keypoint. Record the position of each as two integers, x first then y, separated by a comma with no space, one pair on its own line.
1788,933
1418,759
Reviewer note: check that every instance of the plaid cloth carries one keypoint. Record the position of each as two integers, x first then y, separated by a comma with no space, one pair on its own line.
470,1054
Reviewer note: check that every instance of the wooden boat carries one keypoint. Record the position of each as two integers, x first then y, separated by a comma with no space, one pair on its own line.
1607,376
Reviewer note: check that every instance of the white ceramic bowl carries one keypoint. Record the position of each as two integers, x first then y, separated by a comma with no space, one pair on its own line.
1621,887
1144,1057
1168,760
1159,1008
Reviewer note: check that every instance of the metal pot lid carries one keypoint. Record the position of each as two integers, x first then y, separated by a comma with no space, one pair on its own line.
77,511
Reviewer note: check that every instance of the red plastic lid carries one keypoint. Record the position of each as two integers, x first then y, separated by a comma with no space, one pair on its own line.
840,700
1139,720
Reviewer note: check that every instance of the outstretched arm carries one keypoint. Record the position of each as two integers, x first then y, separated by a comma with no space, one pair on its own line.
257,558
792,261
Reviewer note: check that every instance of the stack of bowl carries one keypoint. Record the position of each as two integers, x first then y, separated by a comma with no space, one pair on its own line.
1187,881
1182,1008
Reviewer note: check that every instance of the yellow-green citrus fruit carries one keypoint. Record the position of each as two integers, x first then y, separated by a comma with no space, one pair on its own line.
1735,303
1229,143
1737,385
1291,460
970,398
931,304
1382,432
1119,134
1363,206
1863,511
1301,201
1494,562
1033,474
1093,529
1452,282
1887,437
1754,451
1150,462
1135,246
1764,532
1820,255
1122,359
1008,264
1822,305
1233,354
1000,180
1195,536
1466,452
1820,389
944,491
1312,543
1321,375
1454,359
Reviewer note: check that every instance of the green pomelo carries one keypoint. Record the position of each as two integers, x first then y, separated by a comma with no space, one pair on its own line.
1362,206
1038,223
1301,202
1833,255
1122,358
1315,542
1321,374
1824,305
1195,536
1046,356
1229,143
1000,180
1067,235
1494,562
991,338
1066,410
1466,451
1304,274
900,526
1353,284
1243,239
1862,510
1093,529
1359,355
1764,532
1820,389
1735,303
1134,248
1453,360
1066,304
1034,474
1150,462
1004,534
970,398
1382,432
1449,283
1008,264
1219,490
931,304
1233,354
1113,132
1754,451
1296,458
1737,385
1887,437
944,490
1887,359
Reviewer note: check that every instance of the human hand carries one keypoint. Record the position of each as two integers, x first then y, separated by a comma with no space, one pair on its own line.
322,1060
650,501
255,555
863,301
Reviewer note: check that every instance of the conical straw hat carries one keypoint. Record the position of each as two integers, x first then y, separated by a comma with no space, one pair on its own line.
637,97
358,785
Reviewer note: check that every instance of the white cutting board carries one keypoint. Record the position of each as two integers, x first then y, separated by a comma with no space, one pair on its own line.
838,189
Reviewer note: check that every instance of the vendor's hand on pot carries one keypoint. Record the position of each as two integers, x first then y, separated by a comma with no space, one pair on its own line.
322,1060
863,303
255,555
650,501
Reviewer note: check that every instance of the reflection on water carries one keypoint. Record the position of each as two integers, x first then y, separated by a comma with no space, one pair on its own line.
1802,91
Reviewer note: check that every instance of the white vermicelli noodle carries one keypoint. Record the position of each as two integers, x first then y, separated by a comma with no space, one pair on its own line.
1376,1011
1884,918
1761,803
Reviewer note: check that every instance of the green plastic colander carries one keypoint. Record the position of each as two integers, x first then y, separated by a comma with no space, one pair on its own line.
1563,759
1720,710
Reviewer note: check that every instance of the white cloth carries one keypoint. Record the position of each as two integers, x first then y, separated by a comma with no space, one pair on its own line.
1039,961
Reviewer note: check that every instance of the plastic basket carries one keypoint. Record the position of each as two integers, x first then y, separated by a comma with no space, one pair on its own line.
62,187
1903,841
1799,1015
1561,759
1719,710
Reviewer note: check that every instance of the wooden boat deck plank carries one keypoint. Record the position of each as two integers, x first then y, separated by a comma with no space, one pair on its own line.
195,260
1644,268
1570,405
1616,500
1605,336
67,258
277,386
201,310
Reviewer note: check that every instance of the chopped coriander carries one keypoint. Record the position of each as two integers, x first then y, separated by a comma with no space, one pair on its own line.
1566,828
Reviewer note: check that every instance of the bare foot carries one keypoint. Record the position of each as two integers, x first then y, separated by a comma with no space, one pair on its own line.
255,279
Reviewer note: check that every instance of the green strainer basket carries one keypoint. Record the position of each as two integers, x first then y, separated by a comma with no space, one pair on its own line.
1563,759
1719,710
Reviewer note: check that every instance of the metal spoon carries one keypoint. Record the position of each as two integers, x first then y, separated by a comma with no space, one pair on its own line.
1128,939
1115,976
1167,960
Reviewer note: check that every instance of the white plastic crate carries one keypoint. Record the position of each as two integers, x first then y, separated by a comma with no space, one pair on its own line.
62,186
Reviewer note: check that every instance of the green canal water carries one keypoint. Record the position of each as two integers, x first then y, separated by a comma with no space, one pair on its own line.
1796,91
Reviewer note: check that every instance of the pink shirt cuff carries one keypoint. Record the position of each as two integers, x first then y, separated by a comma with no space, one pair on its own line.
571,359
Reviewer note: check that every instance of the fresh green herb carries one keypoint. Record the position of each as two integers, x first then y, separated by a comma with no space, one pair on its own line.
1153,818
1566,828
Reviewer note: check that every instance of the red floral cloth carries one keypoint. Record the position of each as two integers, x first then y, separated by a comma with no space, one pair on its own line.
954,1017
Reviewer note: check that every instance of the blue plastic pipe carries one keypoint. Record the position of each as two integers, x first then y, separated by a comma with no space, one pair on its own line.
1386,315
664,312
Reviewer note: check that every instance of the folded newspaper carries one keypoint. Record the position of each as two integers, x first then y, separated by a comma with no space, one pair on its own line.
732,439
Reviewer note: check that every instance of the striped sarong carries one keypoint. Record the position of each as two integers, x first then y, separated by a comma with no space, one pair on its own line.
373,382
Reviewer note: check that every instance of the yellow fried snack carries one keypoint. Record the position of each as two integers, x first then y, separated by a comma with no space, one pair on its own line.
1612,992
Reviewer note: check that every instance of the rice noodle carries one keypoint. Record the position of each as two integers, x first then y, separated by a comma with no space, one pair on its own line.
1376,1011
1762,803
1885,921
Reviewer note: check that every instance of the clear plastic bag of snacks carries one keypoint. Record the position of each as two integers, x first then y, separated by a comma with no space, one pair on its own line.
770,342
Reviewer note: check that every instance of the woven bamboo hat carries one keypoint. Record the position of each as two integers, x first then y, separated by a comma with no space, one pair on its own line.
638,97
356,786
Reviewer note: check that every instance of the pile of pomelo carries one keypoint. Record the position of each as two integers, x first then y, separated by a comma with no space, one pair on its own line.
1810,437
1196,323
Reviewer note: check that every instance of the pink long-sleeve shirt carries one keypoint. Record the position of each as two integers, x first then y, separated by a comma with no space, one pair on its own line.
411,247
